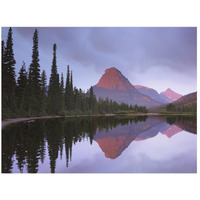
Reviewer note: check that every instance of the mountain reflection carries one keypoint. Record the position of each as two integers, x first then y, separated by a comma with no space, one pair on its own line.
26,144
120,137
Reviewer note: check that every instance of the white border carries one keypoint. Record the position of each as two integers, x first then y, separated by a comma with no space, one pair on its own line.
101,13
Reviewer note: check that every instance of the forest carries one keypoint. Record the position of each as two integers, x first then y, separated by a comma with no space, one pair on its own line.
29,94
190,108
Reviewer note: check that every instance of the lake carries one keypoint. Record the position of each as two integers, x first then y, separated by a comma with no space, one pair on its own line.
118,144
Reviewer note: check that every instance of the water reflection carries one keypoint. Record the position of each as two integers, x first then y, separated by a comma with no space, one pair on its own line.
27,144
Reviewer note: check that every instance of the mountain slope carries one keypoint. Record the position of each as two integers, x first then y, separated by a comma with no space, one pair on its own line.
118,88
153,94
167,96
186,101
113,79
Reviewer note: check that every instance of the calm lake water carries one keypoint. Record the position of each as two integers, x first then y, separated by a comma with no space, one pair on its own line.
101,145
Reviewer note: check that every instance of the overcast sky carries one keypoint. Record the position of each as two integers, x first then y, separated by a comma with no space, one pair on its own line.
158,58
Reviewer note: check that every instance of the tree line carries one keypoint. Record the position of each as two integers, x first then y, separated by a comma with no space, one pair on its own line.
30,95
184,108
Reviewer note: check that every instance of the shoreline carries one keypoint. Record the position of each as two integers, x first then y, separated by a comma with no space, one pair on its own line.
7,122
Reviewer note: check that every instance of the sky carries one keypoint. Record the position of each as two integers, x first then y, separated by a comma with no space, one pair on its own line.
155,57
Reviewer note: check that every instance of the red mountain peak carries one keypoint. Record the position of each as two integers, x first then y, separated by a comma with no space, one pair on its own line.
114,85
113,79
173,96
169,90
112,70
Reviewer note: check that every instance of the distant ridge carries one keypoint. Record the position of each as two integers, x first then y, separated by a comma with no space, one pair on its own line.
153,94
164,97
186,100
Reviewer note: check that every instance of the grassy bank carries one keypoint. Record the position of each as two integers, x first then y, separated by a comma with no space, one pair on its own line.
177,113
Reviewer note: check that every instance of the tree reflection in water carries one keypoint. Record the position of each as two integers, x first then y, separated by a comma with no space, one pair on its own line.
26,143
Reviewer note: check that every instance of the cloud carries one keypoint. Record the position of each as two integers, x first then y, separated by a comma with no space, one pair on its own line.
132,50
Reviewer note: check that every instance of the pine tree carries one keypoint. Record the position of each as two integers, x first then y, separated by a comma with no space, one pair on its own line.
54,87
3,58
35,79
92,100
62,93
43,92
68,91
84,104
135,108
21,90
76,100
4,75
81,100
170,107
71,82
9,82
2,52
71,92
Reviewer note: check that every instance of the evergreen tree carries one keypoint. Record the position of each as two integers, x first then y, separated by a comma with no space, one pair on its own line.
9,82
170,107
81,100
2,60
85,105
2,52
68,92
106,104
54,87
71,92
43,92
92,100
76,100
142,109
62,93
4,75
35,79
135,108
21,91
71,82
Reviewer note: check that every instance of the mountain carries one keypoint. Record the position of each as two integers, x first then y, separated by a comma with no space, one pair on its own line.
153,94
118,88
113,79
171,95
167,96
188,100
172,130
120,137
